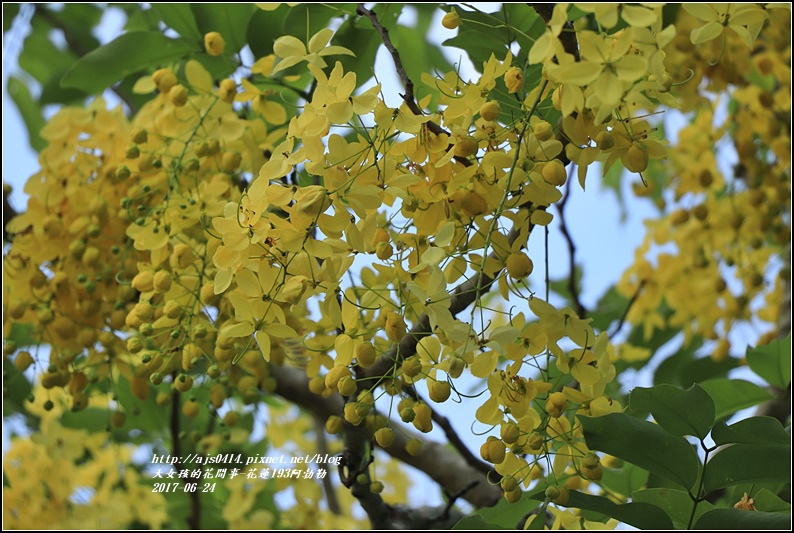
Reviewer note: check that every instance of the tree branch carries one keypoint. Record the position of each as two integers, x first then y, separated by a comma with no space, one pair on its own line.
408,97
453,437
572,288
449,470
628,308
463,296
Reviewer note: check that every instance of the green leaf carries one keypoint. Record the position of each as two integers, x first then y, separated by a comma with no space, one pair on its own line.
78,20
180,18
702,368
639,515
304,20
30,111
735,519
92,419
16,390
22,334
767,501
230,20
753,430
748,463
9,13
675,503
125,55
643,444
264,27
53,93
680,412
772,362
151,418
625,480
482,34
40,57
475,522
672,369
506,515
731,395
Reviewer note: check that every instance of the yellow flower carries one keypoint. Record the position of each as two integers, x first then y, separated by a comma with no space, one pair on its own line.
214,43
292,51
272,111
514,80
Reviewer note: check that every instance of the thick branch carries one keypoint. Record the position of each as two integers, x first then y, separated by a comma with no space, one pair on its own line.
449,470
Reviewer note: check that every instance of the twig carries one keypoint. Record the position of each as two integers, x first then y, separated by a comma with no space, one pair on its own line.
408,97
453,498
572,288
626,312
452,436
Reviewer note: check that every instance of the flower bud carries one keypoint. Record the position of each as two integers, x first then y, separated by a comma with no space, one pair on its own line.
214,43
554,173
384,251
439,391
422,421
227,91
451,20
543,131
466,147
334,424
336,374
191,408
412,366
395,327
178,95
519,265
514,80
636,158
413,447
558,495
384,437
365,354
556,404
509,432
351,415
490,110
164,79
161,282
346,385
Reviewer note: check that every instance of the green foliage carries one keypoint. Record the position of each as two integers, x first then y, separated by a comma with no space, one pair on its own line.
643,444
680,413
772,362
662,474
125,55
638,514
